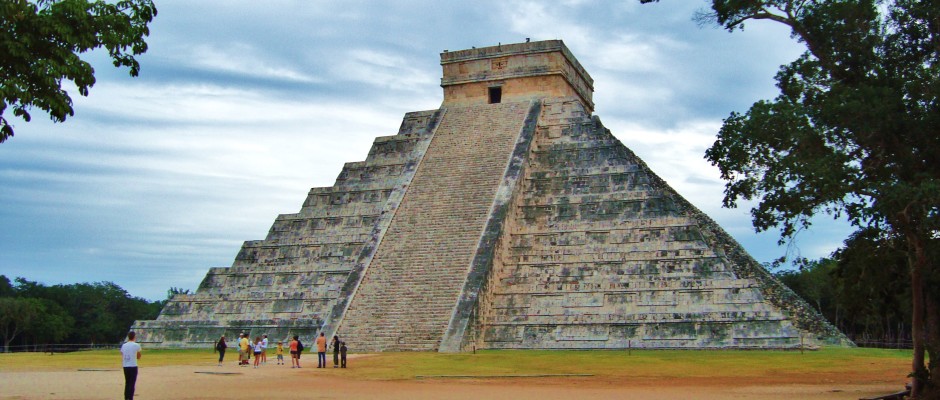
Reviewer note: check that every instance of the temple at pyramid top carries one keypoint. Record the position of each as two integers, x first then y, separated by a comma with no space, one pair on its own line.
514,72
508,218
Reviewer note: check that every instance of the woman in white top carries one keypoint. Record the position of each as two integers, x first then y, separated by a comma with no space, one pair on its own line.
258,348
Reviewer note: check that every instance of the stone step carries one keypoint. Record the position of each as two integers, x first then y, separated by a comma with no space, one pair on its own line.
420,267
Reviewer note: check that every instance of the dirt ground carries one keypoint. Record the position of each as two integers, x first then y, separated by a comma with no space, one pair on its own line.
281,382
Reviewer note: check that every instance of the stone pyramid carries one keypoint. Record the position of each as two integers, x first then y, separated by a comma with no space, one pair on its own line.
509,218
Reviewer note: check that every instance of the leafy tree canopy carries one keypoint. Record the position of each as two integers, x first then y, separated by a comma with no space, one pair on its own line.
6,288
41,42
855,132
855,128
80,313
864,289
17,315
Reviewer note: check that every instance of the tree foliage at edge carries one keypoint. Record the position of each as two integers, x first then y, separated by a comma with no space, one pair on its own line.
41,42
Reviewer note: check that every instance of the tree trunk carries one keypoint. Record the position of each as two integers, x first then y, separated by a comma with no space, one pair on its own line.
917,260
932,390
6,343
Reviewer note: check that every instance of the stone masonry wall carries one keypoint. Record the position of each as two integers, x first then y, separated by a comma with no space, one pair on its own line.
520,67
601,253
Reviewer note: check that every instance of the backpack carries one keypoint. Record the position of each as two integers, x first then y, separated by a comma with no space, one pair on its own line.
300,346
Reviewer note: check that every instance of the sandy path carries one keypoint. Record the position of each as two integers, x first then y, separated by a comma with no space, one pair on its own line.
282,382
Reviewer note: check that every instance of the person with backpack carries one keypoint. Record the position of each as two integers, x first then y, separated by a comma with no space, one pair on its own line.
335,345
220,347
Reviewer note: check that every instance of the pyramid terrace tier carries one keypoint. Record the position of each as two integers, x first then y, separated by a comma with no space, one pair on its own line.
658,332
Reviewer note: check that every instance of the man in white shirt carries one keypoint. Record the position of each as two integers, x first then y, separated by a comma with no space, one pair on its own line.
130,353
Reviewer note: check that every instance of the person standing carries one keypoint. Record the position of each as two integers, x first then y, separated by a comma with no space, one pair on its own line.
220,347
335,345
244,349
238,345
321,351
294,352
264,349
258,347
279,351
130,353
342,353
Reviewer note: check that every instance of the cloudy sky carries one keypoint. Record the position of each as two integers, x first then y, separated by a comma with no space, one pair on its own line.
242,106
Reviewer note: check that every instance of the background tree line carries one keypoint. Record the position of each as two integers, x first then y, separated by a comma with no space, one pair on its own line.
33,314
863,288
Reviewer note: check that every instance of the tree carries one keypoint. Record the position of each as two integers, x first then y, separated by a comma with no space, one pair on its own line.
6,288
864,289
17,315
814,283
41,41
102,311
52,325
853,133
873,284
173,291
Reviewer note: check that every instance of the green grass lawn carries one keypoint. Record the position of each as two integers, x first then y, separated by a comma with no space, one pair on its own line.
102,359
651,363
638,363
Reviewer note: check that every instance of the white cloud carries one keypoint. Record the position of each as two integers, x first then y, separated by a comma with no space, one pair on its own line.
543,21
631,52
238,58
382,70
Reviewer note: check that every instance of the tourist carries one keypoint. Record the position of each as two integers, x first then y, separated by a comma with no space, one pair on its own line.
130,353
243,350
258,349
220,347
342,354
335,345
238,345
294,352
279,351
264,347
321,351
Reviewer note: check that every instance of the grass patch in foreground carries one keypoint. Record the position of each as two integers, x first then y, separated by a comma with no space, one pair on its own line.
105,359
611,364
621,364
